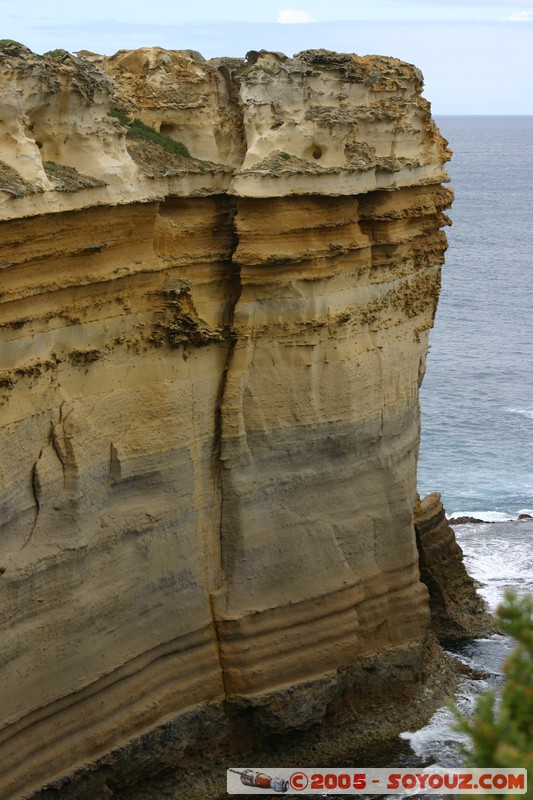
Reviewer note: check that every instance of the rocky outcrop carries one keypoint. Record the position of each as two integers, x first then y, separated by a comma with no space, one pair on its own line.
457,610
214,326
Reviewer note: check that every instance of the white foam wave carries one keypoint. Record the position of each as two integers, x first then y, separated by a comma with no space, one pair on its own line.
524,412
525,511
486,516
438,739
492,516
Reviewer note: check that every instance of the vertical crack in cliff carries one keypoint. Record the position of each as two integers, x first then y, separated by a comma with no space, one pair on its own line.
218,466
40,480
36,489
235,293
115,467
219,645
54,441
231,136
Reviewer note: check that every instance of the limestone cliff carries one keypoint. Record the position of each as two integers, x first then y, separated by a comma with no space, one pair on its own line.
211,356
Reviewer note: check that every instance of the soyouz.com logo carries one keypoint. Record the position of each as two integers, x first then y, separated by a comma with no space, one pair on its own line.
252,780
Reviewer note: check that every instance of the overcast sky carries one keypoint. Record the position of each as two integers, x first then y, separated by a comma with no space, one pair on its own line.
476,55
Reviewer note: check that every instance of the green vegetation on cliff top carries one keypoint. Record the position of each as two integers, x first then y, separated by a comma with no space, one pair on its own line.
139,130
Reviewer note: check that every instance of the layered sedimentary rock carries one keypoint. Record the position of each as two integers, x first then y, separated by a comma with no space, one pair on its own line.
457,611
208,395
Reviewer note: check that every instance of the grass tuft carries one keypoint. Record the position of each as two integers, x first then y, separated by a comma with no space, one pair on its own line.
139,130
56,55
10,43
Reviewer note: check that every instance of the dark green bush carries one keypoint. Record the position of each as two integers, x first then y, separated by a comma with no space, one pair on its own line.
501,731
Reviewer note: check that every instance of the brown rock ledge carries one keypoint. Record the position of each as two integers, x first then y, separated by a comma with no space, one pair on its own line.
365,722
457,610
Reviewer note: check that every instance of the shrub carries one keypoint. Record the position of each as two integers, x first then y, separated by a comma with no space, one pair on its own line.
139,130
501,731
57,55
10,43
13,48
122,117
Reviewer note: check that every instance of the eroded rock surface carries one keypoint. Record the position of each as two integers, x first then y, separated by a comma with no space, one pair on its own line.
208,396
457,610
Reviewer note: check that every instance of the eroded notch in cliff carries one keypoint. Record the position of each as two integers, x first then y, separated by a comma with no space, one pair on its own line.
196,238
230,135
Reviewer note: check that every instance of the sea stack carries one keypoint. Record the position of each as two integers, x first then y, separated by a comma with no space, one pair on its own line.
217,283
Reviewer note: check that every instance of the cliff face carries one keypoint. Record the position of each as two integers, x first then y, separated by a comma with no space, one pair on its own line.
208,393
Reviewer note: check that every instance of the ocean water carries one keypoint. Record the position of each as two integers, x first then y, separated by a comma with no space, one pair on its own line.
477,398
499,556
477,395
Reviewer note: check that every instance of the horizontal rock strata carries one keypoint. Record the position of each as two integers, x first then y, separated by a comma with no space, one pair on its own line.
211,356
457,610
